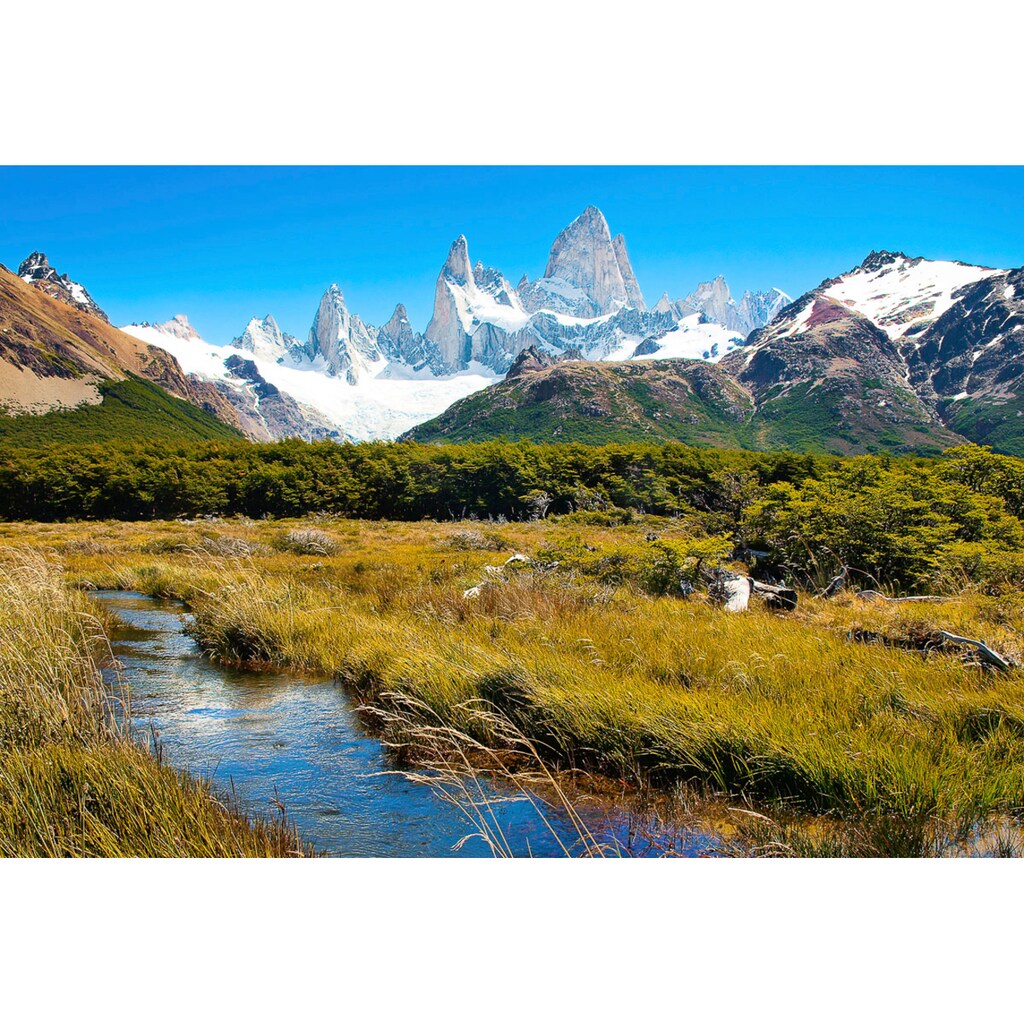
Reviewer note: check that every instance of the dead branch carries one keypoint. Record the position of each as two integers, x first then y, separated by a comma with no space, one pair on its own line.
984,651
875,595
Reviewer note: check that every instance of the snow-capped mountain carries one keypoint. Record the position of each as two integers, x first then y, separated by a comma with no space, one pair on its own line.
313,395
477,315
715,301
588,273
588,300
756,309
896,354
36,271
903,296
264,338
340,343
376,382
889,349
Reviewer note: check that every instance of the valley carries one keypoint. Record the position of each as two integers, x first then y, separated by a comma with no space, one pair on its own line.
532,550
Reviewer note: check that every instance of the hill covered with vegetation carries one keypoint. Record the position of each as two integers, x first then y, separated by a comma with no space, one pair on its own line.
691,401
130,409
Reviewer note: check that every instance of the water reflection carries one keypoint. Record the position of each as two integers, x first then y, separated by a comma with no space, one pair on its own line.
272,737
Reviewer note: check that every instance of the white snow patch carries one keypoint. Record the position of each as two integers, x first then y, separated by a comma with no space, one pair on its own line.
193,354
386,402
694,340
888,295
799,324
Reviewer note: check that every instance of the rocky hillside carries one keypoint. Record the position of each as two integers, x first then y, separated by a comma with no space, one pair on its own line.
36,271
544,398
55,356
899,352
832,379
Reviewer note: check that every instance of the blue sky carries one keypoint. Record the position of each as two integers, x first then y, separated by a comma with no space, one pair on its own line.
223,244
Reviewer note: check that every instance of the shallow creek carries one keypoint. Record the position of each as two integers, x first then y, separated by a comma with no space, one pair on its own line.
273,738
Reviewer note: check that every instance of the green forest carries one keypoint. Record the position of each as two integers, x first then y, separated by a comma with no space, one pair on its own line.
902,521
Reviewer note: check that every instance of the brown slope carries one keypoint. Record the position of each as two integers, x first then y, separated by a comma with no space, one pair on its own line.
826,377
53,354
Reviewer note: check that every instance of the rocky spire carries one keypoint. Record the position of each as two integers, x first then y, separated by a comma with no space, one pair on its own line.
456,267
633,293
663,305
713,299
583,257
344,342
446,331
35,267
588,272
397,340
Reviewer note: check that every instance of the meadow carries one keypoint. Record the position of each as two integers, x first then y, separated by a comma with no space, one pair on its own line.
845,727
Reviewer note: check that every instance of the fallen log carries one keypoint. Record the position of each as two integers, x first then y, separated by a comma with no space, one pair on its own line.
737,594
780,598
732,592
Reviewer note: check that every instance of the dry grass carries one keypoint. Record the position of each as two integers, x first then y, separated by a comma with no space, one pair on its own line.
72,783
908,751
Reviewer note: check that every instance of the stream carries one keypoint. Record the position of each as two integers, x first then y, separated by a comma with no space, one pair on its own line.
272,738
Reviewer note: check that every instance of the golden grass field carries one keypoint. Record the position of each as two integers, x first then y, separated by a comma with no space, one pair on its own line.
860,747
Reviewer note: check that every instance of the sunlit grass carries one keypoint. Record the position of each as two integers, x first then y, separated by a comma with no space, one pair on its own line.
910,750
72,782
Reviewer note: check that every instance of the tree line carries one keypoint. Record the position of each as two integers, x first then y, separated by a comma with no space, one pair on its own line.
901,518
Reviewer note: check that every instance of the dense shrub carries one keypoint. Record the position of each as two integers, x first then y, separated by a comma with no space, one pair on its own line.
899,521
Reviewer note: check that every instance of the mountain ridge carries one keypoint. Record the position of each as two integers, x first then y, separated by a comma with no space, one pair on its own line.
898,353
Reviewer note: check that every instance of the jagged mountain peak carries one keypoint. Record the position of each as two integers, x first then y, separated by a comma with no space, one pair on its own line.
35,269
633,294
457,266
399,343
346,345
592,216
33,265
876,259
578,238
588,272
265,337
179,327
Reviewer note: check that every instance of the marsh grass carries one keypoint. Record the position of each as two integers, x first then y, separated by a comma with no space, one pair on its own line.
306,542
471,776
72,782
896,751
